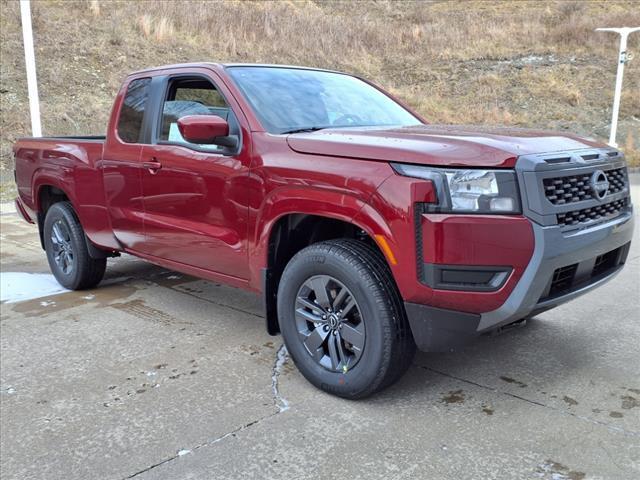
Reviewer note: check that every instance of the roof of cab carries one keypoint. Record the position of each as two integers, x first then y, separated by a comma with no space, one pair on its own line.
226,65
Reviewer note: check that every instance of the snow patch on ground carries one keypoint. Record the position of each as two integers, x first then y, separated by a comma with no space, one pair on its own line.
20,286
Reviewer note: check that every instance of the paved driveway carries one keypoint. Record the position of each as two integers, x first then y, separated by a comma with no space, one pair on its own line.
157,375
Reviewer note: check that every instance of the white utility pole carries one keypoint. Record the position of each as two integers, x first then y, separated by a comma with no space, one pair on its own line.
30,62
623,57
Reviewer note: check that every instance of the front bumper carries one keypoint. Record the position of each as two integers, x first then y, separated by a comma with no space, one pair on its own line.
567,261
436,329
577,254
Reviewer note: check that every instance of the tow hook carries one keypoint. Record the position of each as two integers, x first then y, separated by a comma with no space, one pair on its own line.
509,326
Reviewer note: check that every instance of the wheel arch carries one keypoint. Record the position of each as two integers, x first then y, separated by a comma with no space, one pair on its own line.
337,204
47,194
291,232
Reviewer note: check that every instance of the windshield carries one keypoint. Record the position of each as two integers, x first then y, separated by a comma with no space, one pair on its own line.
289,99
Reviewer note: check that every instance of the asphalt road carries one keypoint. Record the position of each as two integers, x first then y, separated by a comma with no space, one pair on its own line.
156,375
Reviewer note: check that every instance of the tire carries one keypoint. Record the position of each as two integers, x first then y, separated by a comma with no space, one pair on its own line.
382,348
67,252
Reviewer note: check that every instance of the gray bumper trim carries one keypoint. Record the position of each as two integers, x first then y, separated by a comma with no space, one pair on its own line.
554,249
553,302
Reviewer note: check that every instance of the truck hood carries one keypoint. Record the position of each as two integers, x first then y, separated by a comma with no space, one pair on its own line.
437,145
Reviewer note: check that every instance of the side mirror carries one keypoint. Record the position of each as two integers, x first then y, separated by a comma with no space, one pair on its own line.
203,129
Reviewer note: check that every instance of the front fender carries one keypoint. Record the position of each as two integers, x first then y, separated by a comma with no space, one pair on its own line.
334,204
390,216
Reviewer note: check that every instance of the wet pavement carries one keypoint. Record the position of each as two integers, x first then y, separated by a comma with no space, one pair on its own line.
158,375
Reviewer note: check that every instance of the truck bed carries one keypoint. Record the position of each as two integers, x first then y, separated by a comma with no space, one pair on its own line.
69,138
70,165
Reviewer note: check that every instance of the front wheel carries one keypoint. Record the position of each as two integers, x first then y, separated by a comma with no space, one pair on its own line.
342,318
67,251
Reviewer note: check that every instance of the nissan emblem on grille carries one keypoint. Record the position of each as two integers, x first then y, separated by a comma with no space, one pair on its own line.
599,184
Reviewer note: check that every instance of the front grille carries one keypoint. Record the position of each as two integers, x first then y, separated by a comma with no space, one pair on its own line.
578,275
563,188
576,188
604,262
597,212
617,179
562,279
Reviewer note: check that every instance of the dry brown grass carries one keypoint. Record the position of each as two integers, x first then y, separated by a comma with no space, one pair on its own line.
525,63
156,28
145,22
94,7
339,32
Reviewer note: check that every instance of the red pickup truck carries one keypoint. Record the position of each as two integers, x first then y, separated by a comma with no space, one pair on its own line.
367,232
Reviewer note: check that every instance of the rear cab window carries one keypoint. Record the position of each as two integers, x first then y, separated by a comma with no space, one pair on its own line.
130,121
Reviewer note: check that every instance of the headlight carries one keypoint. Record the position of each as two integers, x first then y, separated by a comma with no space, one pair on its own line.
469,191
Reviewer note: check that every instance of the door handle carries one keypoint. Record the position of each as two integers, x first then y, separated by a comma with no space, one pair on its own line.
153,166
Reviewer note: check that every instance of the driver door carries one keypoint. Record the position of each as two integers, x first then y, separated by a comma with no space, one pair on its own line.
195,196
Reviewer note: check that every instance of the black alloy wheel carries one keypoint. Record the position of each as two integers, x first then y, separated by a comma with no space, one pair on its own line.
329,323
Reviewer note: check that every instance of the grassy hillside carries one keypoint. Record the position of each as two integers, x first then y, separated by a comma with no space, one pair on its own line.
530,64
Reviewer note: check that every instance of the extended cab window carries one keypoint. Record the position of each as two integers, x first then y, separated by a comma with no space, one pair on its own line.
132,111
191,97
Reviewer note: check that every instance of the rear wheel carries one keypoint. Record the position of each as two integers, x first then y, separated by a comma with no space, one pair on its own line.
342,318
67,251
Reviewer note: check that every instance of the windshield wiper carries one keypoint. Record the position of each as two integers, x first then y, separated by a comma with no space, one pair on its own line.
303,129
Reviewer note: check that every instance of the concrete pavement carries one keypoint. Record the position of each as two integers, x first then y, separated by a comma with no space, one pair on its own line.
157,375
